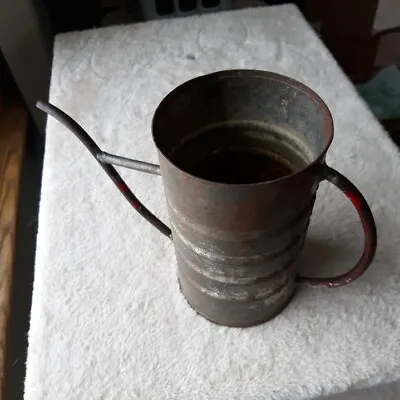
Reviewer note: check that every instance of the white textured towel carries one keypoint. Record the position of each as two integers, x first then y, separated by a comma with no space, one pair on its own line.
108,320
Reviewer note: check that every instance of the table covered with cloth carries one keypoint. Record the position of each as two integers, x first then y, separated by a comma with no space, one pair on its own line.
108,320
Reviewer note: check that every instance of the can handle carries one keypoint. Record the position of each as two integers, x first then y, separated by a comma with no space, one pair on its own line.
106,159
369,228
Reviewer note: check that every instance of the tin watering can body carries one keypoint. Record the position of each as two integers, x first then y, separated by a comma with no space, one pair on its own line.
241,155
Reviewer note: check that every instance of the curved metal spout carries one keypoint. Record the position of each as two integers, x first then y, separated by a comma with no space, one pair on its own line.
106,159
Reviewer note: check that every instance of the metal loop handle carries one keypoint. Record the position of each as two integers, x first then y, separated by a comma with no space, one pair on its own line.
106,159
368,224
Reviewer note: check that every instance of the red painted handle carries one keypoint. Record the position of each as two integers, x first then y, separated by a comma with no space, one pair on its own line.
368,224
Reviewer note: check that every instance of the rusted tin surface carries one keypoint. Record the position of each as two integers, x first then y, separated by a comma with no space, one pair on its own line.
238,249
239,228
238,245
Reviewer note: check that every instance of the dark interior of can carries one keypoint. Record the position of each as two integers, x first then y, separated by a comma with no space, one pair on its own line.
231,110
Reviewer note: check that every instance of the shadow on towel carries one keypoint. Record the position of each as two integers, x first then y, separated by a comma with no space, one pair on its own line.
382,392
321,257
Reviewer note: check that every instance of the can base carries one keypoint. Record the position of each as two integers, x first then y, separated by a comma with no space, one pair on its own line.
236,314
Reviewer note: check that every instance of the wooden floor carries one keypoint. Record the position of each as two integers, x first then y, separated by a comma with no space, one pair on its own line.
13,124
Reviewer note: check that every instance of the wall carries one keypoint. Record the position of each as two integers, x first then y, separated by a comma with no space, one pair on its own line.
26,51
388,16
